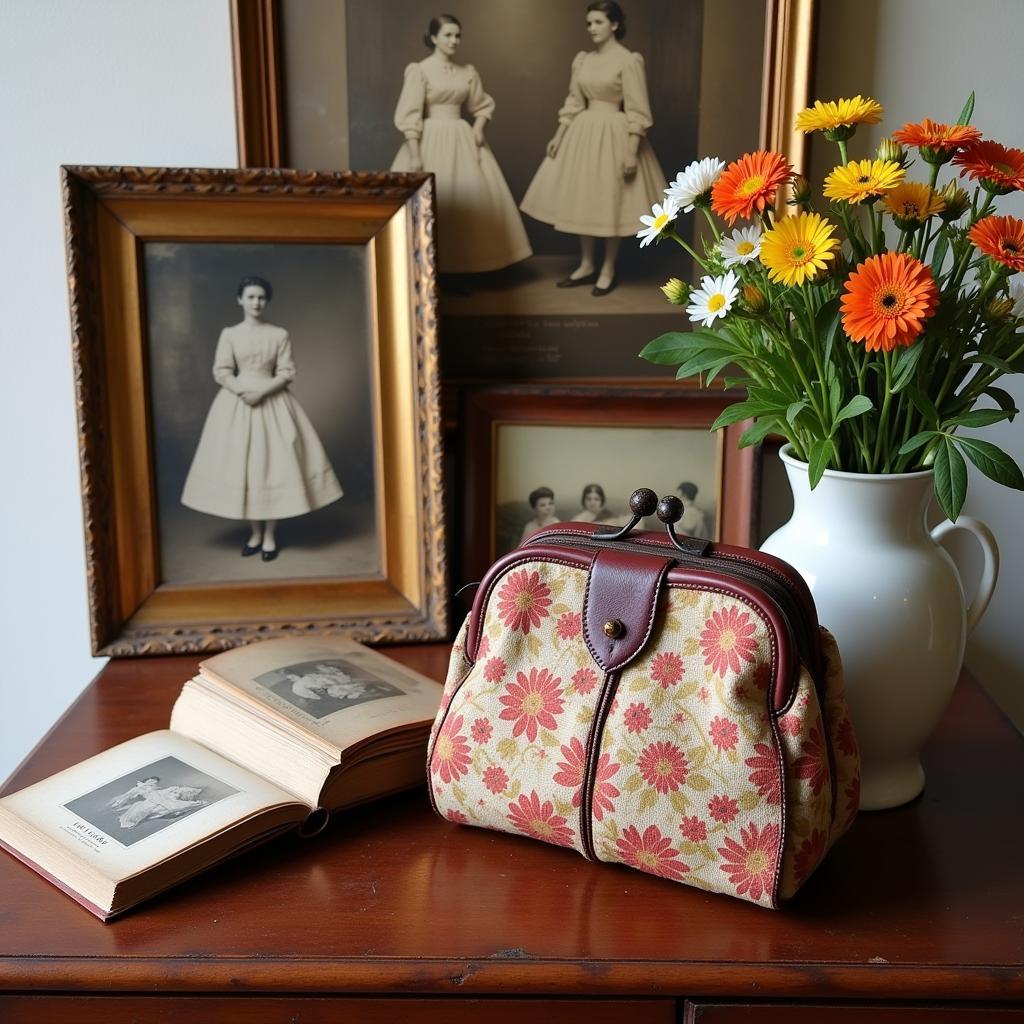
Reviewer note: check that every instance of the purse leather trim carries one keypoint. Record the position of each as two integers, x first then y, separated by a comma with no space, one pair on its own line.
787,667
622,588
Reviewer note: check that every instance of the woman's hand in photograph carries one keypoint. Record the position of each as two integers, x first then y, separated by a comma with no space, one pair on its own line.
553,145
251,397
629,168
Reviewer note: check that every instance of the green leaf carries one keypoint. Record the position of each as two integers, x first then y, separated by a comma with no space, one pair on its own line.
939,253
1004,400
793,300
722,338
924,406
757,433
978,418
992,461
856,406
672,348
968,112
698,363
716,368
821,452
826,326
906,364
950,478
835,396
794,410
917,441
740,411
994,361
770,397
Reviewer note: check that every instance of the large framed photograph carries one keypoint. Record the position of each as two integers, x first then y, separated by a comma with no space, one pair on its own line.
258,389
535,455
550,127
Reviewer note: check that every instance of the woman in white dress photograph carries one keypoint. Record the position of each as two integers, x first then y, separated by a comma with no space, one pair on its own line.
479,226
259,458
599,173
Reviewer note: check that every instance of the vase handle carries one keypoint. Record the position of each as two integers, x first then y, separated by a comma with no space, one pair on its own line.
989,572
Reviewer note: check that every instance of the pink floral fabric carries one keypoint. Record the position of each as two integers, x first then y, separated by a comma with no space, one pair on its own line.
690,776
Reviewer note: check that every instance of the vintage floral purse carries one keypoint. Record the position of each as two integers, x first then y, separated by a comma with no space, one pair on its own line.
650,700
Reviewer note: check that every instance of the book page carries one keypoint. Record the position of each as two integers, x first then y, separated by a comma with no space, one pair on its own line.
138,803
335,688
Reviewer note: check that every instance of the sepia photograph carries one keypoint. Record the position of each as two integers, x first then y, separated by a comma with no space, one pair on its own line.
135,806
550,129
551,474
324,688
262,419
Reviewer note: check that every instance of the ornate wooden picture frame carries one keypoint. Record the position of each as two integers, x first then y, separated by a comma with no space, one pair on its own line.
154,256
523,442
317,83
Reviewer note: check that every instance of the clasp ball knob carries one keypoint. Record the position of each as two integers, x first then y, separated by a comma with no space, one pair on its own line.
643,501
670,509
614,628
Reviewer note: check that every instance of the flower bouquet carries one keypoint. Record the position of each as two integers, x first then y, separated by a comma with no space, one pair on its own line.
868,331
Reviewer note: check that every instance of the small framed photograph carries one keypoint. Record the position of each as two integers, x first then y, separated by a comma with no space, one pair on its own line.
538,455
257,378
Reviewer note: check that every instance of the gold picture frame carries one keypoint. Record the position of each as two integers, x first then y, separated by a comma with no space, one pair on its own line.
113,217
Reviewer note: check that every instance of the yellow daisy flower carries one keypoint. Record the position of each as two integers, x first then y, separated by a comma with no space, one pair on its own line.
912,203
863,179
798,247
838,119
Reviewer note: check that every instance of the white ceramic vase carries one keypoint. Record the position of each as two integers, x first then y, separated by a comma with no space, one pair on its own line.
892,597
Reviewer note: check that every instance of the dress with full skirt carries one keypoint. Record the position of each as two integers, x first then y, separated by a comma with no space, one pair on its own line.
581,189
261,461
479,226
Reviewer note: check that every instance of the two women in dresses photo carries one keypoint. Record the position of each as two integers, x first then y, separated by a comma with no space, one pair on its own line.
598,173
259,458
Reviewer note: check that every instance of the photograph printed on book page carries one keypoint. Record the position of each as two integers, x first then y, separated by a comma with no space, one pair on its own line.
138,803
334,687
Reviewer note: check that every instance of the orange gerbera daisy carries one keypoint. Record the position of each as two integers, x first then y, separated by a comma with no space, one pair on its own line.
1002,238
749,184
887,300
936,141
998,168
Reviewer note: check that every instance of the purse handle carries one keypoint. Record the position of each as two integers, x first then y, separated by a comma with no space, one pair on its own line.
644,502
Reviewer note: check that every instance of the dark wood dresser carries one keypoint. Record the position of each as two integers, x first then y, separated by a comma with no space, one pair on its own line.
393,914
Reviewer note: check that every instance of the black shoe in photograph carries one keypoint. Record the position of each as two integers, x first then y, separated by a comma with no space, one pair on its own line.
575,282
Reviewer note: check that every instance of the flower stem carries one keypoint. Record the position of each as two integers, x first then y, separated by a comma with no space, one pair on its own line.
883,420
711,221
675,237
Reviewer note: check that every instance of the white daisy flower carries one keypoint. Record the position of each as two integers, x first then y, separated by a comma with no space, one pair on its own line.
695,181
660,218
714,298
742,246
1017,297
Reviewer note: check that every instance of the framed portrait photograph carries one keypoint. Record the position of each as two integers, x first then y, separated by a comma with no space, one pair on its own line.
258,399
536,455
550,127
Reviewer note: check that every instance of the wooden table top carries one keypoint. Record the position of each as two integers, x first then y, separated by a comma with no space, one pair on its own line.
922,902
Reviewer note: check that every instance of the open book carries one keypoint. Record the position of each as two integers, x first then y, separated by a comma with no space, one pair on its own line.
266,738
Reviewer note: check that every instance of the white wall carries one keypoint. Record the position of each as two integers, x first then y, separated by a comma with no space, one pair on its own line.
922,58
97,82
